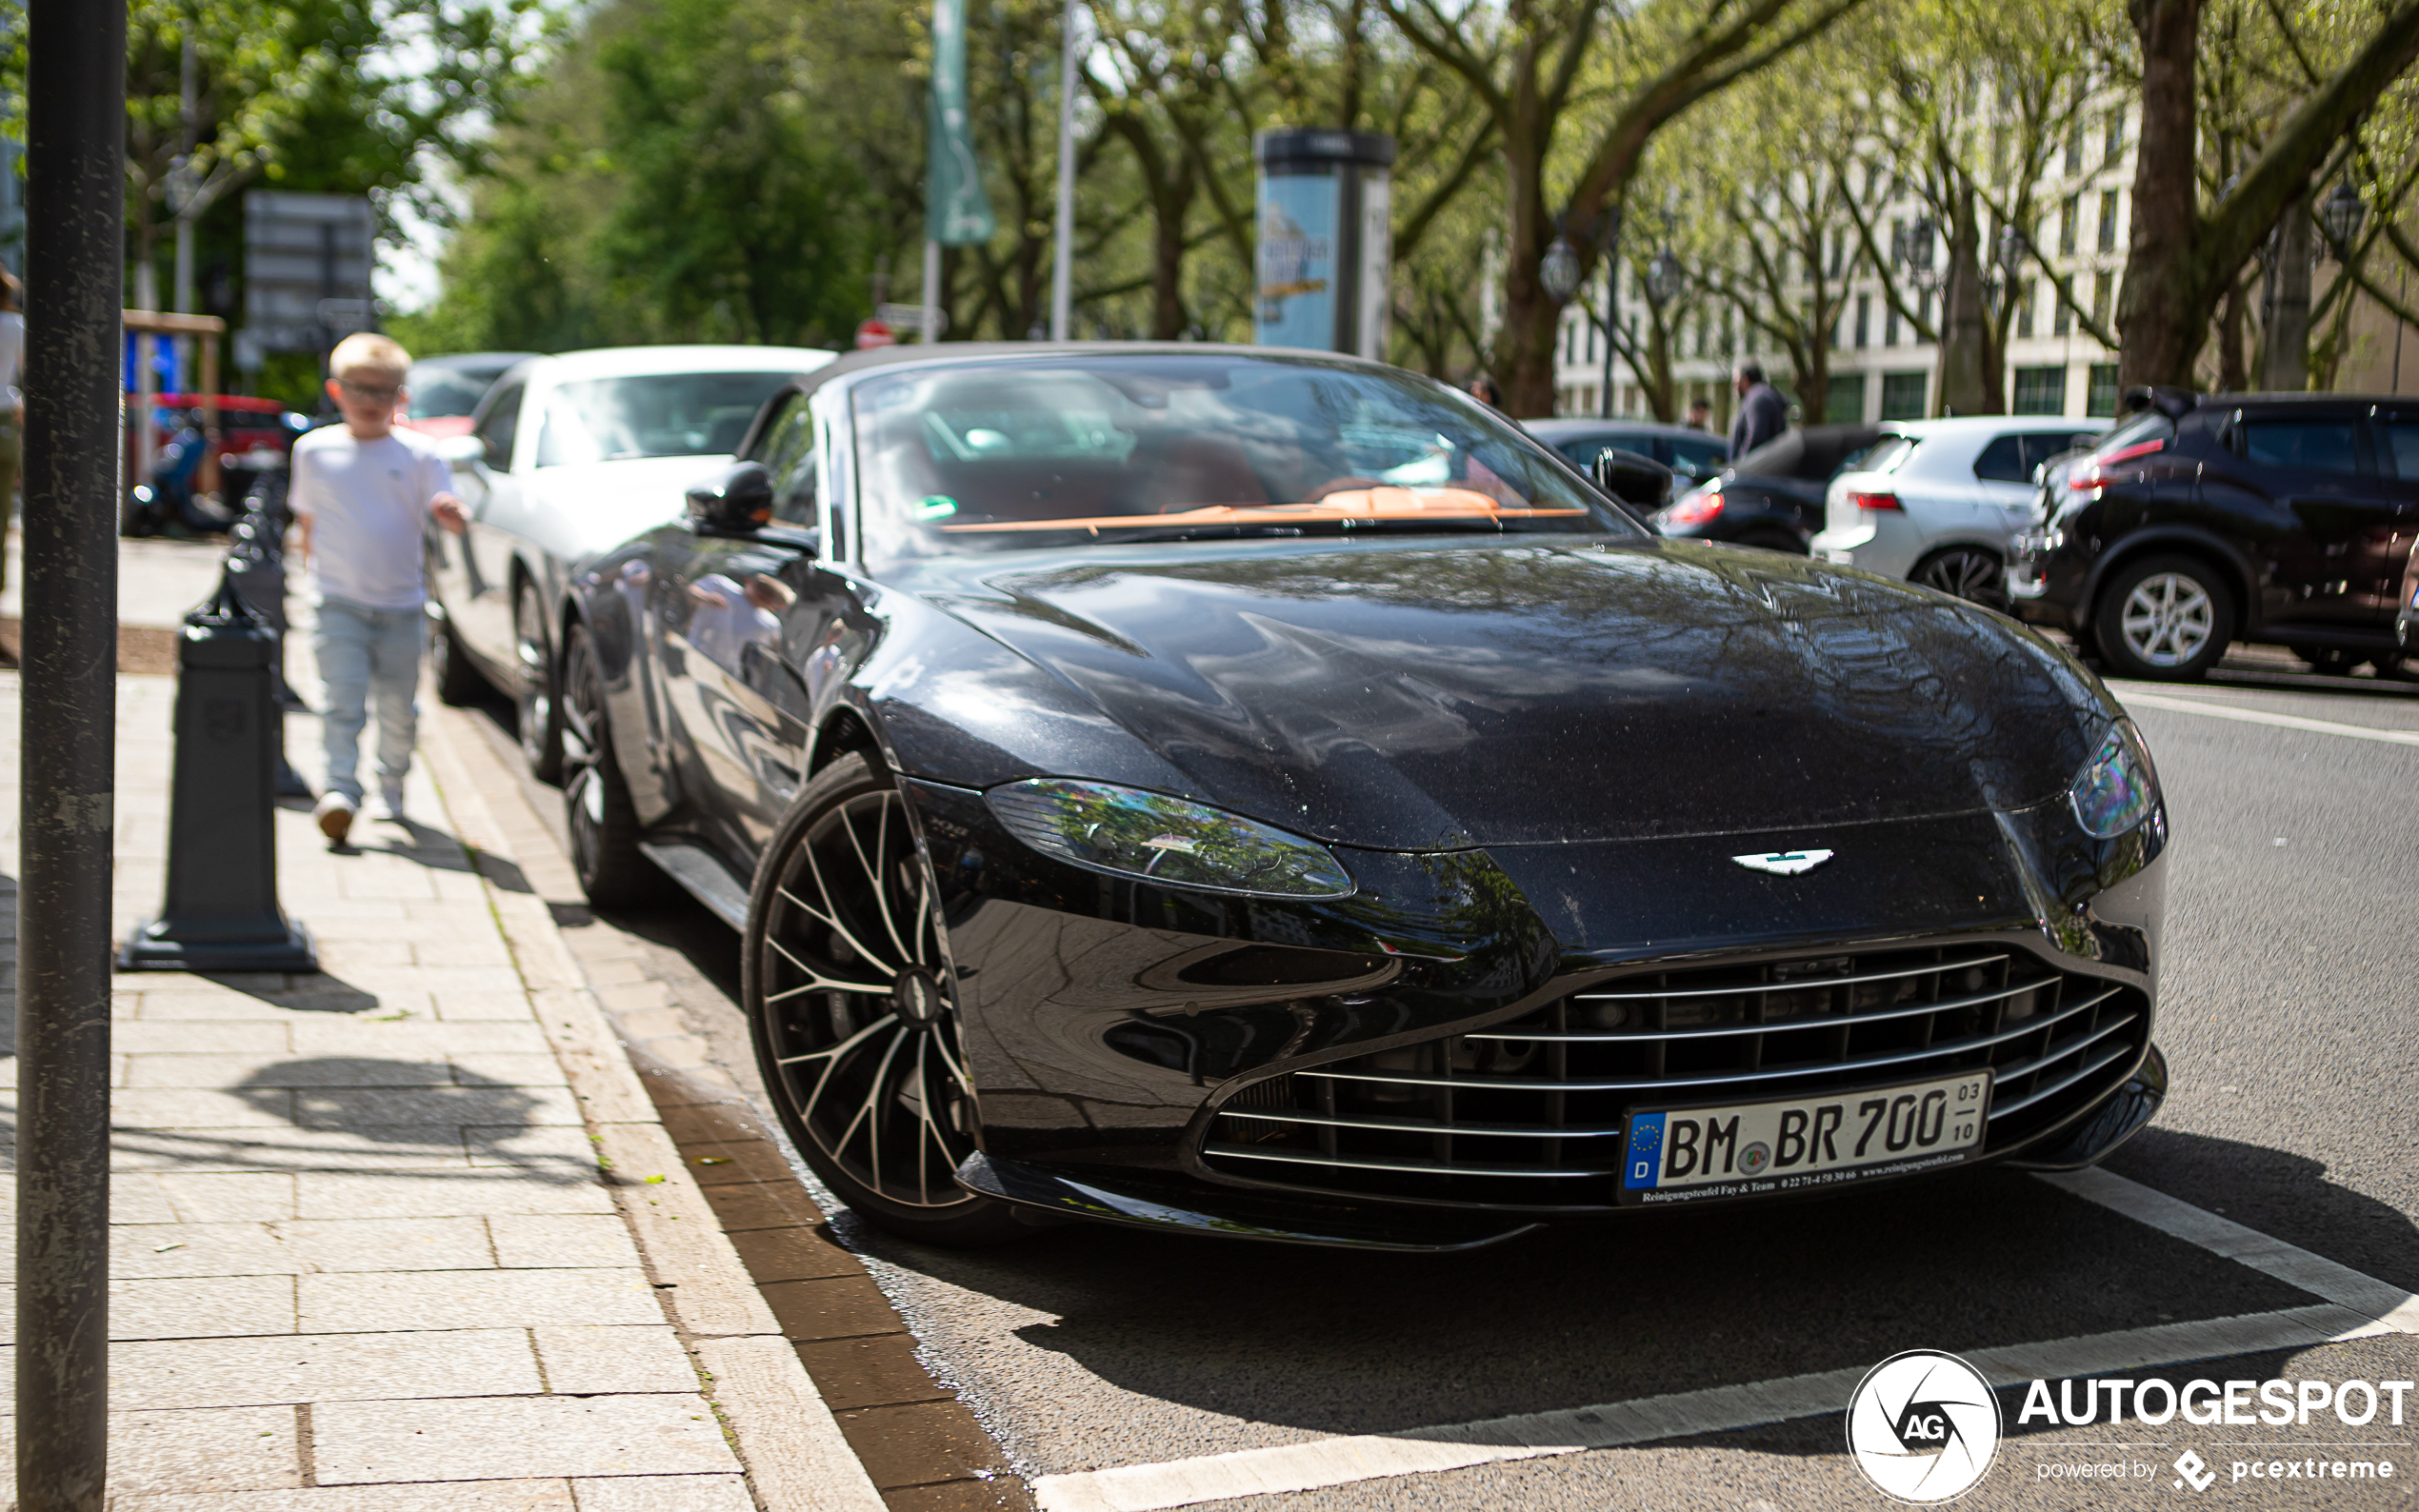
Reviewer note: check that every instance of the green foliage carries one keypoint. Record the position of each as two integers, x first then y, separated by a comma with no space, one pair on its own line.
678,177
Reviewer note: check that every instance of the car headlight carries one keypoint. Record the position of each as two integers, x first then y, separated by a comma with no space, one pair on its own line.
1129,832
2116,790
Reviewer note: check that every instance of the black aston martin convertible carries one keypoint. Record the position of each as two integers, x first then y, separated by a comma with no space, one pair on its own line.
1264,793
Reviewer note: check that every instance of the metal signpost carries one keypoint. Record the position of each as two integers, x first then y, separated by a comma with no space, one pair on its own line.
307,262
75,268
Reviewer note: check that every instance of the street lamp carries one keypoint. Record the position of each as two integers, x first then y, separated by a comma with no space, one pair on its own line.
1559,271
2339,216
1914,253
1664,278
2012,251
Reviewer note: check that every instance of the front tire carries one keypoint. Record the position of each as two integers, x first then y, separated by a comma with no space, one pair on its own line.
596,803
2166,618
2330,661
851,1003
459,682
538,709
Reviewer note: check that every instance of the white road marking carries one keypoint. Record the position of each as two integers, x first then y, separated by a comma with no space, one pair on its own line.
2357,1306
2255,716
2316,1274
1681,1415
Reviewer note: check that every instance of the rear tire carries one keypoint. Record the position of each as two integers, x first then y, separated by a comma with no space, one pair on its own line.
2166,618
1969,572
596,804
535,701
2330,661
458,681
851,1001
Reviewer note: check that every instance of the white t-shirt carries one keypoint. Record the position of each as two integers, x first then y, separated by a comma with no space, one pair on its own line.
12,355
368,506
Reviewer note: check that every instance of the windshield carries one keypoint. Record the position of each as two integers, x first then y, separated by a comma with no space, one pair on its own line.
438,392
1070,449
677,414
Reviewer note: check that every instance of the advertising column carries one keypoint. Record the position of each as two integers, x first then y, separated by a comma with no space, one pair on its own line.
1326,247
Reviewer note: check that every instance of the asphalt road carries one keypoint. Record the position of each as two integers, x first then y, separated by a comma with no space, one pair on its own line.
2289,1016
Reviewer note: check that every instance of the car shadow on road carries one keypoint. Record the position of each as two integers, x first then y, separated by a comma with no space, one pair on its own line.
1342,1341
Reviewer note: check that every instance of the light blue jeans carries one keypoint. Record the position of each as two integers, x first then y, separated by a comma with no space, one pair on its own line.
367,653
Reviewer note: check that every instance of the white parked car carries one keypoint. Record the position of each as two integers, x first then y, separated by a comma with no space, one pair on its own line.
565,457
1939,502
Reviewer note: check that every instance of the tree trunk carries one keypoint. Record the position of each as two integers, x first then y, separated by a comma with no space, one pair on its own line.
2286,369
2162,314
2233,376
1170,207
1524,357
1968,387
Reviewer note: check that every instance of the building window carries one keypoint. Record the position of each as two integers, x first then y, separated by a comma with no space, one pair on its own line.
2063,321
2074,147
1890,325
1903,395
2025,305
1864,320
2041,391
2107,220
2069,217
2101,398
2115,147
1844,400
1923,306
2102,294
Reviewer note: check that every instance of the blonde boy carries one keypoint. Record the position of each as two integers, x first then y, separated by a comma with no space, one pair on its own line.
362,491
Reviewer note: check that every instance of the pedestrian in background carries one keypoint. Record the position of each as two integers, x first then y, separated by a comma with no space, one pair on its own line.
1483,388
11,407
1763,413
1700,415
362,491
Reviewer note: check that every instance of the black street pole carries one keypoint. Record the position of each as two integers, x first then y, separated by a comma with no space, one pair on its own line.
75,261
1612,306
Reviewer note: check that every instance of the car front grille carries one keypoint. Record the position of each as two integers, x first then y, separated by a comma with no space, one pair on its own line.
1530,1113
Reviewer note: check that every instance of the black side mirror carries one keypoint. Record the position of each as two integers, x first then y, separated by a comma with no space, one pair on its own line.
1638,481
736,500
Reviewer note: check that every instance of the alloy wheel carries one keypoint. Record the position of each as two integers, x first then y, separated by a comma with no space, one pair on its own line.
855,1008
1968,572
2168,619
534,695
583,752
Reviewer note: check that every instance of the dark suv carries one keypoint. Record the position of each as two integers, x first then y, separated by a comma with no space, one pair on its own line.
2204,519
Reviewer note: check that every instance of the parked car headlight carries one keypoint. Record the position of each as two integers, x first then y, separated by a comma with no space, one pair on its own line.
1129,832
2116,790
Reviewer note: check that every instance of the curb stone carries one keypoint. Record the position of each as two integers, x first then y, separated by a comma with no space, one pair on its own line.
796,1457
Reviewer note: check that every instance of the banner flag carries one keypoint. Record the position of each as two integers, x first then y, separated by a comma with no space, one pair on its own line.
956,211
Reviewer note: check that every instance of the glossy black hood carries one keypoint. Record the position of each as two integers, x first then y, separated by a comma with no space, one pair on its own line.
1423,695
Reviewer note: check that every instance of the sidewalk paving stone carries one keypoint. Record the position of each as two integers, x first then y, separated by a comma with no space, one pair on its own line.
357,1302
498,1438
368,1253
321,1368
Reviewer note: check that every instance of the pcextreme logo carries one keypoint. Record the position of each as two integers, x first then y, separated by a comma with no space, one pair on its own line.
1923,1427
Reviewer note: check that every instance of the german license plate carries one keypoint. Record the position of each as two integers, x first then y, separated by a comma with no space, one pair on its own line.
1802,1144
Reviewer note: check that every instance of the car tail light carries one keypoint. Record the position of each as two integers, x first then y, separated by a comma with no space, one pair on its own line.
1695,510
1874,500
2093,471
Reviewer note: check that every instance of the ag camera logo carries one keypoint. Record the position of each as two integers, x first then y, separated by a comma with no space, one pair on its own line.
1923,1427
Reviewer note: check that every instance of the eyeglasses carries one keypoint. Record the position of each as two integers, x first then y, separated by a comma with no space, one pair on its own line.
370,394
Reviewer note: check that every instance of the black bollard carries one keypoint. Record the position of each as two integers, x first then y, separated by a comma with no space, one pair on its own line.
221,912
256,565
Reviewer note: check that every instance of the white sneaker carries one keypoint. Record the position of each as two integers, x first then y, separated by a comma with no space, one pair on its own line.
389,806
334,814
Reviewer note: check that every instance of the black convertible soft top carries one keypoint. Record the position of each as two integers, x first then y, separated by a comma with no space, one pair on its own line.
1813,453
